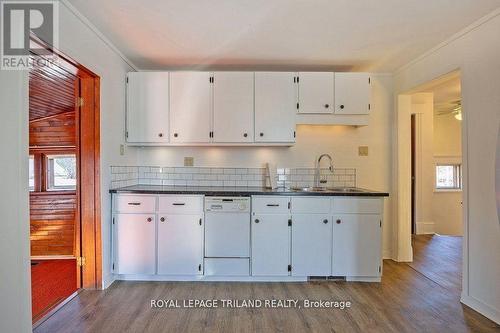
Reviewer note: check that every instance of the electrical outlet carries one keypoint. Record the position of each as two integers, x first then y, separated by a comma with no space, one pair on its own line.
363,150
122,150
188,161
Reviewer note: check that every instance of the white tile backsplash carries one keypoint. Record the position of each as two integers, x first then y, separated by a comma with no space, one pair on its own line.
122,176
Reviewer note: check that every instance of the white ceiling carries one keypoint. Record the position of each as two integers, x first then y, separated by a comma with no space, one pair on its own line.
446,95
374,35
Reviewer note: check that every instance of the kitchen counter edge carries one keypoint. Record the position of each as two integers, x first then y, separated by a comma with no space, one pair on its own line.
238,191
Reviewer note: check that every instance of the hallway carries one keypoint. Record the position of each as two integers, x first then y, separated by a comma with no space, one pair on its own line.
439,258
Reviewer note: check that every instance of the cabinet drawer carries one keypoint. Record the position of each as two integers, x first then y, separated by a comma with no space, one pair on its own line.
316,205
135,203
357,205
180,204
270,204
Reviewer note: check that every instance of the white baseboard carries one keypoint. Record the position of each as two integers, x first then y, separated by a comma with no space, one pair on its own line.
201,278
108,281
425,228
484,309
387,254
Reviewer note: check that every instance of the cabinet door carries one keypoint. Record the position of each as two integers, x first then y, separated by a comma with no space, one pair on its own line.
135,243
275,106
147,107
180,244
311,245
356,245
352,93
316,92
270,245
233,106
190,107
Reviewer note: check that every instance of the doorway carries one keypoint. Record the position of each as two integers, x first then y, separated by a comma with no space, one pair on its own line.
64,183
435,179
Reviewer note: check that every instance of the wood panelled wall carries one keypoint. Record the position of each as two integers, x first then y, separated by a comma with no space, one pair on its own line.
52,91
52,225
58,130
52,127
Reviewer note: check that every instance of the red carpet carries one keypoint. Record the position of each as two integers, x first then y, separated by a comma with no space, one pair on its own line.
52,281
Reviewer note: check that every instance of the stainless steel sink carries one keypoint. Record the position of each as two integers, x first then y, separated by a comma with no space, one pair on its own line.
327,189
308,189
345,189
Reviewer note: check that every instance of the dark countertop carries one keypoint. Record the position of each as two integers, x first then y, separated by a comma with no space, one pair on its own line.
240,191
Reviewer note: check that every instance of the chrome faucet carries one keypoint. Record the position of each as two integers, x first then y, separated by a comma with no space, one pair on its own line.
317,176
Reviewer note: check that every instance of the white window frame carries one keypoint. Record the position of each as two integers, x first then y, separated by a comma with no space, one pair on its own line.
50,177
457,177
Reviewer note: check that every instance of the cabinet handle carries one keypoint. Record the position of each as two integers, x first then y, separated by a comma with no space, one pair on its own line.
245,135
149,219
273,205
257,221
261,134
325,221
178,204
134,203
327,106
339,221
162,219
160,135
342,106
176,135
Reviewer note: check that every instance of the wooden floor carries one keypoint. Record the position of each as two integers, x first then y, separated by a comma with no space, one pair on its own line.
439,258
410,298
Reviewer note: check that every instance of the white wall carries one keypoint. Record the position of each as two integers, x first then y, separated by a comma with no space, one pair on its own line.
15,278
423,107
447,146
81,43
477,54
373,171
447,135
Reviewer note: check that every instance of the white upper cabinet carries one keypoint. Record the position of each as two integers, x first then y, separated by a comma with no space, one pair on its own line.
147,107
233,107
352,93
275,107
190,107
316,92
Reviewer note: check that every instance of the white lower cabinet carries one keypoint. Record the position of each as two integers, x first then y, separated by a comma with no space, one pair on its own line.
270,245
356,245
180,244
135,243
292,237
311,245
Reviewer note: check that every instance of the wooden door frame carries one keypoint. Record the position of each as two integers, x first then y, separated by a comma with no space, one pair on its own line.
89,186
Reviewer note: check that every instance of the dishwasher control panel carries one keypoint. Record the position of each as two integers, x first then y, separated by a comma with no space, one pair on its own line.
227,204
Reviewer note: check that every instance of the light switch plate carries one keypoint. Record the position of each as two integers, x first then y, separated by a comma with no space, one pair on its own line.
188,161
363,150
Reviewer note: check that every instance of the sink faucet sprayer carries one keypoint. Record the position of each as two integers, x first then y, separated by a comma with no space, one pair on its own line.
317,176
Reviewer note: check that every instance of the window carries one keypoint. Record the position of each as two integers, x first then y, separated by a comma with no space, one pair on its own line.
448,177
31,173
61,172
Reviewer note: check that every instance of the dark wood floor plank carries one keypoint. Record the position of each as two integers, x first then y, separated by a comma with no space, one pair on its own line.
410,298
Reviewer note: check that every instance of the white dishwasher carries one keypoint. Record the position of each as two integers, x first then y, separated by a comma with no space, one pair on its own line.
227,236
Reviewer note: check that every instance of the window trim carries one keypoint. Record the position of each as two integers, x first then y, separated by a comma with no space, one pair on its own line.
49,187
32,157
41,169
457,174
